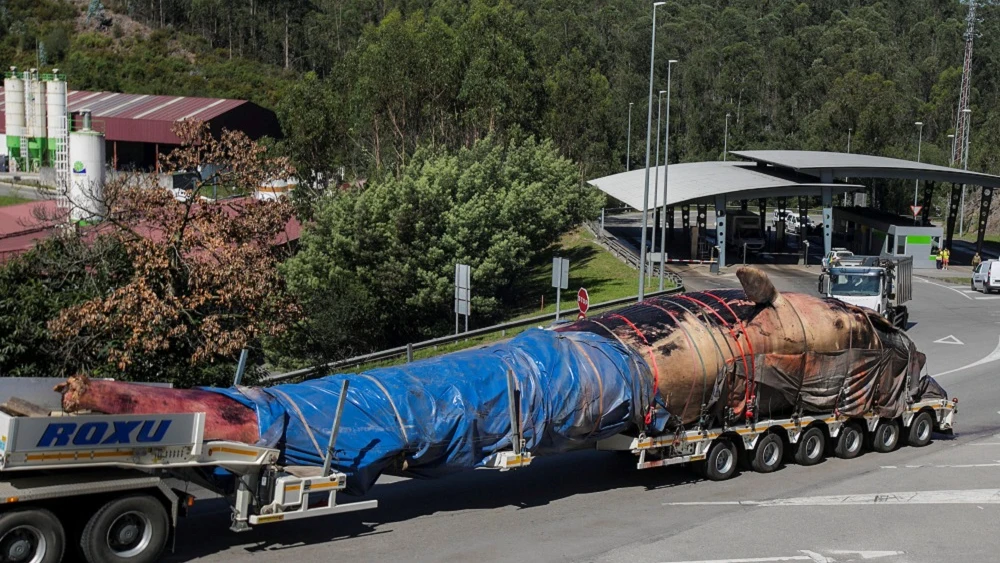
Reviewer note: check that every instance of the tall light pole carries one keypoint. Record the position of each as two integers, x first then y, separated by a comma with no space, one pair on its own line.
849,140
965,165
951,158
725,139
656,165
628,141
916,185
666,169
649,146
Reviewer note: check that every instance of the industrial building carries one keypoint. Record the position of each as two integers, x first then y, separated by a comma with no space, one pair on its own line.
136,128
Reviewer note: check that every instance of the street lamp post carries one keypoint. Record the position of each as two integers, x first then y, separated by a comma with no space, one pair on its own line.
628,141
965,165
649,132
666,169
951,159
916,185
656,165
725,140
849,140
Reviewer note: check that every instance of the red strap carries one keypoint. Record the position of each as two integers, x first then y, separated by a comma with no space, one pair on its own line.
736,339
690,342
652,360
750,391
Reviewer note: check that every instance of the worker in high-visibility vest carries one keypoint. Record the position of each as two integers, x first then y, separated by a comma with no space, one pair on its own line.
945,255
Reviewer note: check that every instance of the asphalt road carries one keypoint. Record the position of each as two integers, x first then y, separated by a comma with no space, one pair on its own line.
937,503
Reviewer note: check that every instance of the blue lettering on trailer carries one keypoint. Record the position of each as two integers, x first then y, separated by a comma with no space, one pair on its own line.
59,434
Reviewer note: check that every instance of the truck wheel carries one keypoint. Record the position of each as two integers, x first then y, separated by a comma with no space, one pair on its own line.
885,438
720,464
810,447
921,428
132,528
31,535
768,453
849,441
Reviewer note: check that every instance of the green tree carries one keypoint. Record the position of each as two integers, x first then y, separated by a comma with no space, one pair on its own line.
390,249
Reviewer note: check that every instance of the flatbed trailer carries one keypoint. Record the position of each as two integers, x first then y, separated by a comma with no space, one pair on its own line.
112,487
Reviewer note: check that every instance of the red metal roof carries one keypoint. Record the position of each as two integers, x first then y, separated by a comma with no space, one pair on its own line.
147,118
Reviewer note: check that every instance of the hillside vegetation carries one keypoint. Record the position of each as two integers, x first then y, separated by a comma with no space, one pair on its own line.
390,75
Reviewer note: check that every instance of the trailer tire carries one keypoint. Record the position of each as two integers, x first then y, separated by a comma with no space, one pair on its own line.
768,454
31,534
720,463
885,438
921,428
132,529
849,441
811,446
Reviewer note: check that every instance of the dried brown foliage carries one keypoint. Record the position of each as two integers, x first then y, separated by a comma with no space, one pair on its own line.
205,282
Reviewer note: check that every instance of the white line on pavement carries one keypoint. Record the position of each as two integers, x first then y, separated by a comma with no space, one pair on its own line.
806,556
993,356
946,287
975,496
931,465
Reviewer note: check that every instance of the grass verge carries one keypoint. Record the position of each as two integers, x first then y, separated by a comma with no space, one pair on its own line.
6,200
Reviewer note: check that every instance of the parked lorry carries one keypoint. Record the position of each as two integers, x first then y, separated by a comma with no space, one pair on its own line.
881,283
744,228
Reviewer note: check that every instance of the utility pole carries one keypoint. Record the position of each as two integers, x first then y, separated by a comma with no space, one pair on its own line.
628,141
962,129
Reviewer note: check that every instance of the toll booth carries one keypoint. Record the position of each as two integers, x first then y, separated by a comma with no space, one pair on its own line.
867,231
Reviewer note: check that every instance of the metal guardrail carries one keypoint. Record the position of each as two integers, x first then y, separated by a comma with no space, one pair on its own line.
627,255
408,350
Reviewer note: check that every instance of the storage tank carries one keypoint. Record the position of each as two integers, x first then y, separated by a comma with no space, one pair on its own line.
14,113
87,161
55,108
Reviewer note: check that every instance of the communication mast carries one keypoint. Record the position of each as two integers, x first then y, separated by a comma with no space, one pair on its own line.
962,121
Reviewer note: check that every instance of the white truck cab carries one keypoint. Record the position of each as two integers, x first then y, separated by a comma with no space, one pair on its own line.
879,283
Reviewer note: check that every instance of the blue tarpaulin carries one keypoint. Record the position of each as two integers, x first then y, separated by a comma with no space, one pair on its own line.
449,413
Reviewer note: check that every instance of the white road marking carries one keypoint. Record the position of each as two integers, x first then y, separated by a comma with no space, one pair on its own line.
987,298
974,496
869,554
806,556
936,466
992,357
950,339
946,287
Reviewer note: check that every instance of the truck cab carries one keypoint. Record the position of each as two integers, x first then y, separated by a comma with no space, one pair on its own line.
877,283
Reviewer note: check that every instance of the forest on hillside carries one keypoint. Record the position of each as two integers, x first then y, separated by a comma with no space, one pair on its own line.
363,83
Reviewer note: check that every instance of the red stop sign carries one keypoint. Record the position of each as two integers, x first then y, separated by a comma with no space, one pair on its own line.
583,300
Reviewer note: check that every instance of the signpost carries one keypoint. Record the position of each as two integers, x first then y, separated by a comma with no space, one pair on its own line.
560,278
463,294
916,210
583,301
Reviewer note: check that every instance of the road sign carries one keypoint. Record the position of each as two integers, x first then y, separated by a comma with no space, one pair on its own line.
560,273
463,294
583,300
916,209
560,278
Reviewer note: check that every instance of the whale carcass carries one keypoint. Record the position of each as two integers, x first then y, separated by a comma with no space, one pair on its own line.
669,362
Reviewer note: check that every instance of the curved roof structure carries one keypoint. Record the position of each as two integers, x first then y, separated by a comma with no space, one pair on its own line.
775,173
848,165
701,182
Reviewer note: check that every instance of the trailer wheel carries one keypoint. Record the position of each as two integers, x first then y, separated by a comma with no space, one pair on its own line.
885,438
921,428
31,535
768,454
849,441
720,464
811,446
132,528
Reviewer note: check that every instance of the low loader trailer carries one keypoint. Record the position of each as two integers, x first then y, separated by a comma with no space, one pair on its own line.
112,487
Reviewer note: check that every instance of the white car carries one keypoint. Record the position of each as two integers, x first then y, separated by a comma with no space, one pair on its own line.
986,278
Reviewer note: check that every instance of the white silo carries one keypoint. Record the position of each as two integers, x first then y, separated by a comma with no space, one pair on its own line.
14,113
37,108
55,108
87,161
